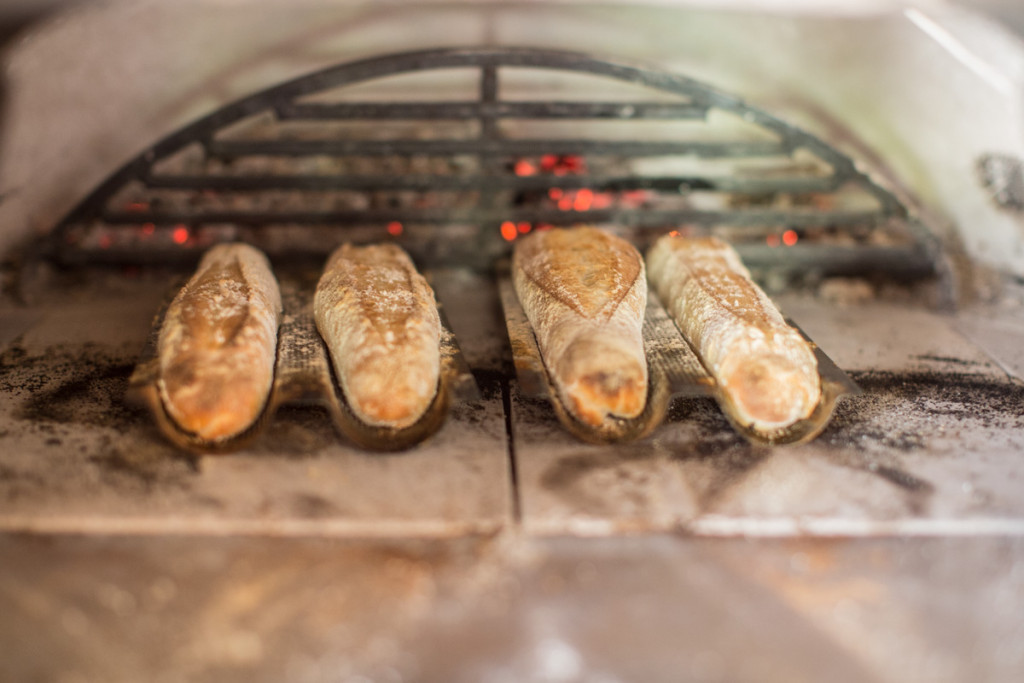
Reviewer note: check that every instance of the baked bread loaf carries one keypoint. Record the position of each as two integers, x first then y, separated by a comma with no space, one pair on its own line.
378,317
766,370
218,342
585,294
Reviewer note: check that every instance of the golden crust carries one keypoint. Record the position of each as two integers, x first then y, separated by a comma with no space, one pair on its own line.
218,342
766,369
585,294
378,317
585,269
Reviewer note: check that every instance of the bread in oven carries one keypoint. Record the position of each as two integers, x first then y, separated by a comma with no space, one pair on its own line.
218,342
765,369
379,319
585,293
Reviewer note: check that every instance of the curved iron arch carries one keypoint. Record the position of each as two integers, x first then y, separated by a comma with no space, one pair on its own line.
699,98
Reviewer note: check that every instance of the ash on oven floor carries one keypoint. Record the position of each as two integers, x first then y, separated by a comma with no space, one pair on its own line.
932,444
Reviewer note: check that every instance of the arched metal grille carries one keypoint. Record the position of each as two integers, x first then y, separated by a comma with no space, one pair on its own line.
290,170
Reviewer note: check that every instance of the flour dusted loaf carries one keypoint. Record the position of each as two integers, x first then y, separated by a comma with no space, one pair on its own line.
378,317
766,370
217,344
585,294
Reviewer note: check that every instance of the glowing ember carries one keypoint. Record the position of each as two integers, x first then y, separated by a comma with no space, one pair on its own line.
772,240
555,193
394,228
180,234
584,198
602,200
524,227
674,233
789,238
573,163
565,203
562,164
148,229
509,231
136,206
524,167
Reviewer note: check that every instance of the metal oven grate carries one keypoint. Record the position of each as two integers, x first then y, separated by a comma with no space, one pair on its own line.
300,167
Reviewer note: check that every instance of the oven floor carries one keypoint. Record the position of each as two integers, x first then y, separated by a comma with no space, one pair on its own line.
890,549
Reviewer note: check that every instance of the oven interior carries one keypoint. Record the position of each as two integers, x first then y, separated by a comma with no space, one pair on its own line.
503,548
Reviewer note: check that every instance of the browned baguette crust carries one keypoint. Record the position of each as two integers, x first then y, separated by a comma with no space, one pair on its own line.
218,342
767,370
585,294
379,319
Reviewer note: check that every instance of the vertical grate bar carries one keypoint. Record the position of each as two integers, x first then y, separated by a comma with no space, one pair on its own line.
490,166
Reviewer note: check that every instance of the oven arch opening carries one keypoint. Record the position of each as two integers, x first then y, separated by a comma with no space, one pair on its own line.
452,153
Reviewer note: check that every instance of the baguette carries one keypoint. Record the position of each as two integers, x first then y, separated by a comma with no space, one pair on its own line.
765,369
217,344
585,294
378,317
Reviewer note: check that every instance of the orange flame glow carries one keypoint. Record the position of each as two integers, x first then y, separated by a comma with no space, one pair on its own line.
394,228
790,237
584,198
180,234
509,231
524,167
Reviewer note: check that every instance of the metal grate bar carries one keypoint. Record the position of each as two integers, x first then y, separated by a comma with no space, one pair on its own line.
488,101
257,183
903,262
493,147
630,217
906,263
427,111
499,193
490,201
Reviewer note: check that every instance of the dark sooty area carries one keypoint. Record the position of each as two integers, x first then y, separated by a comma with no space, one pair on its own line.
569,469
716,437
896,416
718,457
58,393
92,394
70,388
899,411
899,414
297,432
